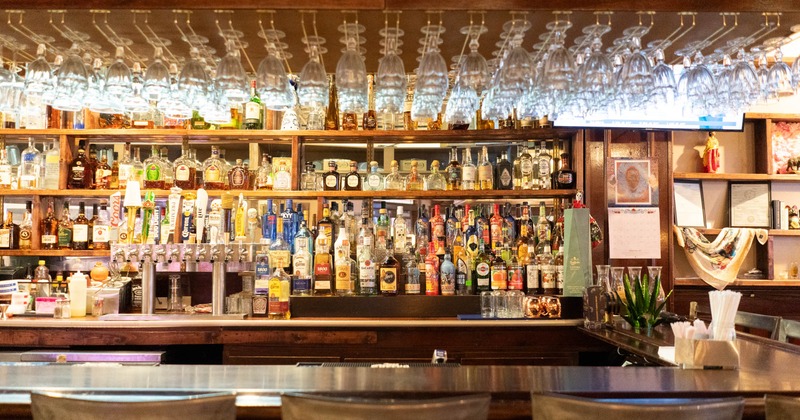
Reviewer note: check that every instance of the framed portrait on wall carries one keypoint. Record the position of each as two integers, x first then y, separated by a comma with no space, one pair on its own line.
632,182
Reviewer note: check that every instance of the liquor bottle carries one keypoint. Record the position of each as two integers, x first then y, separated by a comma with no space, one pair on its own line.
543,162
547,269
496,229
330,179
452,229
30,167
365,237
303,239
239,176
9,234
374,180
366,267
509,225
166,168
5,170
322,261
302,261
400,230
282,178
485,171
335,215
326,225
352,181
214,172
469,172
388,272
414,181
100,228
65,229
253,110
483,269
279,250
432,272
197,122
102,172
412,286
454,171
26,228
516,274
264,177
382,232
422,229
499,274
153,175
49,230
342,263
279,290
80,229
80,173
564,178
349,121
436,181
125,167
526,168
370,119
185,170
137,167
52,167
532,281
504,178
483,228
310,180
438,233
332,115
463,265
542,229
91,224
269,223
394,181
447,276
524,229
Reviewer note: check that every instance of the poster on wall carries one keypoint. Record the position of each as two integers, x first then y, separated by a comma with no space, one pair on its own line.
632,182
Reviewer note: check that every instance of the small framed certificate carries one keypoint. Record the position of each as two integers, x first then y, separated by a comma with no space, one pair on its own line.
749,204
689,205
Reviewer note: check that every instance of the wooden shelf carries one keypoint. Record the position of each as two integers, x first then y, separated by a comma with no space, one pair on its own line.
54,253
772,232
694,281
735,177
444,195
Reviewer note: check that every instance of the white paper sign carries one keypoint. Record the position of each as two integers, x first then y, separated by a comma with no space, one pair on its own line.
634,233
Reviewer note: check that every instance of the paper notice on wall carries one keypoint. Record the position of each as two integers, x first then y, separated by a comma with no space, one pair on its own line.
634,233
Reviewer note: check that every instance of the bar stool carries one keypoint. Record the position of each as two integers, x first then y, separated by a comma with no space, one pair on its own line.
306,406
54,405
781,407
766,323
790,329
567,407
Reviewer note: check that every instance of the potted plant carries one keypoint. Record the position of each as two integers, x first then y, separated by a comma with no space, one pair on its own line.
642,308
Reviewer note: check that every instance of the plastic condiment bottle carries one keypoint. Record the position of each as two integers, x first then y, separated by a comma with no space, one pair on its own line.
77,294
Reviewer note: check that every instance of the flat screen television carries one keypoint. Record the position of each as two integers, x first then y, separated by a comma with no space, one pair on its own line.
728,122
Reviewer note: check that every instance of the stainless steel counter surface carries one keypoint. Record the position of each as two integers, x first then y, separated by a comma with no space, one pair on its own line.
183,321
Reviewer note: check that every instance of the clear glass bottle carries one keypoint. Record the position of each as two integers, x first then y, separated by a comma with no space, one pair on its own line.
137,167
166,168
322,261
214,171
422,229
302,261
526,168
342,263
80,229
504,176
239,176
366,267
469,172
100,228
547,269
463,265
279,250
365,237
394,181
542,229
52,167
485,171
26,227
447,276
264,177
310,180
125,167
415,181
496,228
279,291
282,178
400,230
438,233
29,169
374,180
153,170
454,171
5,170
330,179
436,181
412,286
185,170
544,164
352,181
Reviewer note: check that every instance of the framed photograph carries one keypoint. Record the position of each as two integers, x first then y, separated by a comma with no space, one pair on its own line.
749,204
689,205
632,182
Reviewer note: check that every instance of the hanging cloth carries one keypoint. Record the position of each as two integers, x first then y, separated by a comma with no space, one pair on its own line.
717,262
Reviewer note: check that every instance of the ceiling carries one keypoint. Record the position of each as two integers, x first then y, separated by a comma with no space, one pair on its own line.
100,30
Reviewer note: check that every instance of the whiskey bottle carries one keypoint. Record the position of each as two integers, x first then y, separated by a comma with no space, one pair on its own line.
9,235
264,176
26,228
185,170
80,172
485,171
80,229
65,228
564,178
239,176
352,181
370,120
49,230
330,180
102,173
388,271
100,228
504,178
214,171
414,182
436,181
454,171
5,170
469,172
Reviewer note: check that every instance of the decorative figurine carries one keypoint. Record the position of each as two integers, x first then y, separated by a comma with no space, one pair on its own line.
794,218
711,154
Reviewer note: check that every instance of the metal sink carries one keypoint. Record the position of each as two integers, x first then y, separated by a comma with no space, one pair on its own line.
170,317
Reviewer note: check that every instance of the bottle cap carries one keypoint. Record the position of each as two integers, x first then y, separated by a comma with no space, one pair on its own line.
399,210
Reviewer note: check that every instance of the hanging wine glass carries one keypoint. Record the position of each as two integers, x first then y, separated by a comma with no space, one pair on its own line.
559,72
463,103
473,70
516,71
172,104
351,80
431,83
193,81
273,84
312,89
390,80
95,98
664,85
636,78
231,78
134,102
156,78
698,88
743,86
595,79
38,75
11,87
71,83
779,78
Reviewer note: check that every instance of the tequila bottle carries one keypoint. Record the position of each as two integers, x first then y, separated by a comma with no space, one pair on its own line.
415,181
342,263
279,250
438,233
5,170
543,162
485,171
394,181
166,168
382,234
302,261
264,178
469,172
214,171
310,180
49,230
322,262
52,167
564,178
400,230
330,179
137,167
432,272
283,178
185,170
454,171
352,181
436,181
279,291
504,177
26,228
153,171
526,169
80,173
102,174
374,180
239,176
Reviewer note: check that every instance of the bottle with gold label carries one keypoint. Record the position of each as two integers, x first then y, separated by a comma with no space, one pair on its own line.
342,263
239,176
322,259
214,171
26,227
332,116
388,272
414,181
279,254
279,286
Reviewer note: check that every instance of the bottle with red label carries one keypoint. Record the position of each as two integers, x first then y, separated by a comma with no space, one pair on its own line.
496,228
437,229
432,271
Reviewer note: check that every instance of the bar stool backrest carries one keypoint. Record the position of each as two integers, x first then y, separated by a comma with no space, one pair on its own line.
753,323
566,407
790,329
781,407
52,406
307,406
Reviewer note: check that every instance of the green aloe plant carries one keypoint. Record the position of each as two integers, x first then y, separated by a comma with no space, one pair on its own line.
641,304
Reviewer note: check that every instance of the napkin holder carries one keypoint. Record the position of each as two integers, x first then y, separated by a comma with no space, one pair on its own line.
706,354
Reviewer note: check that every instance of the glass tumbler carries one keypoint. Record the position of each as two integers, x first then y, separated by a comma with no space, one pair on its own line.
175,303
487,305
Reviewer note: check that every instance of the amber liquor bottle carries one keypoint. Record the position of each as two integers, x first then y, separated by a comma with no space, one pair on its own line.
80,170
